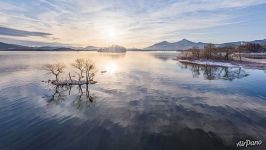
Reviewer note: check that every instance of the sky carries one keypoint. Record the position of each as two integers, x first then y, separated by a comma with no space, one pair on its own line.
130,23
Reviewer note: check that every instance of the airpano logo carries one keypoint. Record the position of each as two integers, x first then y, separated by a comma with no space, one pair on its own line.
248,143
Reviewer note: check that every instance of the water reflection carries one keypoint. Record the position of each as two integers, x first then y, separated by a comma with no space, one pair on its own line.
113,55
82,99
215,72
152,104
110,67
58,95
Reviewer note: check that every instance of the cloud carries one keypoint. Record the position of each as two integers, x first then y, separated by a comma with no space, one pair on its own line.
16,32
31,42
85,22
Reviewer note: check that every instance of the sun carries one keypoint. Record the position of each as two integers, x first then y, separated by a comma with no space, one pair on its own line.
112,34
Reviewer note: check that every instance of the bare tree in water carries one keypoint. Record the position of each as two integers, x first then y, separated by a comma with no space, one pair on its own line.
90,71
55,69
80,65
86,69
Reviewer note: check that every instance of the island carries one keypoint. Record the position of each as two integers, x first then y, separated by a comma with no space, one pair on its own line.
113,49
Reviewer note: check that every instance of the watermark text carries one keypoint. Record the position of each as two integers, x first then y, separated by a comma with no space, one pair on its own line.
248,143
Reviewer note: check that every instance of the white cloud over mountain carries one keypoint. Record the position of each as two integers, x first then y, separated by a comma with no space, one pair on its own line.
137,23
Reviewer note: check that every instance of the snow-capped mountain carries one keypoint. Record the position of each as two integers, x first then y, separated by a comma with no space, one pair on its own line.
186,44
180,45
162,46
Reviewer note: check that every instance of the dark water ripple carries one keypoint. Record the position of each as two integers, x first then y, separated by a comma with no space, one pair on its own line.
158,104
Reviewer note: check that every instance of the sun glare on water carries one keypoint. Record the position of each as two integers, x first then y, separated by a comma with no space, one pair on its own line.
111,67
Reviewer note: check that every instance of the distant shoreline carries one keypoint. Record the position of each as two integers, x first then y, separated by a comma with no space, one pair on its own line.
45,50
86,50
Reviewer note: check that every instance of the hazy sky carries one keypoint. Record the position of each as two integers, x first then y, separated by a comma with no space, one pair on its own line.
131,23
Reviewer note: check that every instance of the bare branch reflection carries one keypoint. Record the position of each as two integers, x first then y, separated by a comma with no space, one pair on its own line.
82,101
81,97
58,96
215,72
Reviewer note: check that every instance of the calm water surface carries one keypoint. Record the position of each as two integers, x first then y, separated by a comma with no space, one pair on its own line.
145,101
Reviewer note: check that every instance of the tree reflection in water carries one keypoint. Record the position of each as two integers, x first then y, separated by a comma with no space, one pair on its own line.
81,100
215,72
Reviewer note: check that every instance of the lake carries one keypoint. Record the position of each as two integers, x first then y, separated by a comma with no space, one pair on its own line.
144,101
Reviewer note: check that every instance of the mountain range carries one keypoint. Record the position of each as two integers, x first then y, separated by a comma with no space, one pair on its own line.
183,44
15,47
186,44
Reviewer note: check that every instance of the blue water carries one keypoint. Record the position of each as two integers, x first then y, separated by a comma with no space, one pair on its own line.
144,101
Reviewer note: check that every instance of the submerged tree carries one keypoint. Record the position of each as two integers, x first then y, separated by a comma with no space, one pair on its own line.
86,67
86,72
89,68
55,69
80,65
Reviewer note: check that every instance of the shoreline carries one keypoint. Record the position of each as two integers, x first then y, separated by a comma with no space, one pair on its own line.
230,63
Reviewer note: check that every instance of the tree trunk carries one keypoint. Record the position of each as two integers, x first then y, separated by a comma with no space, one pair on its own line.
70,77
81,75
56,77
87,80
